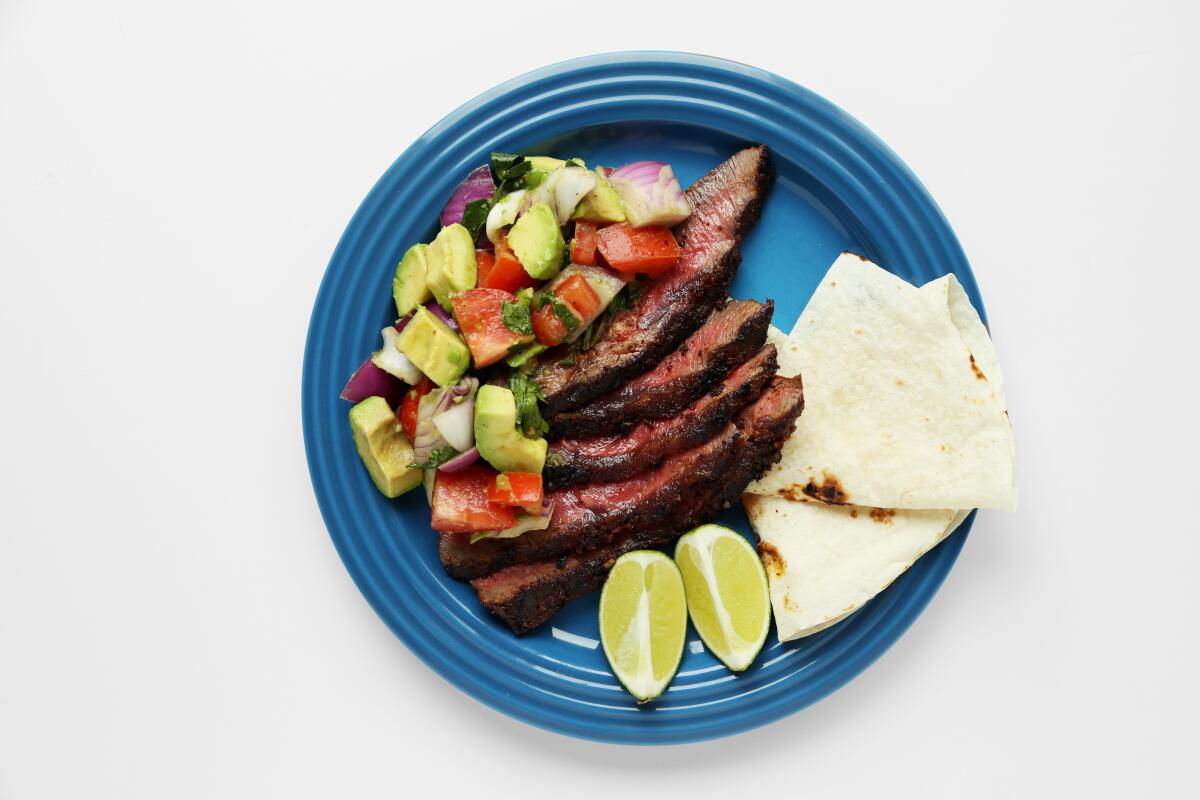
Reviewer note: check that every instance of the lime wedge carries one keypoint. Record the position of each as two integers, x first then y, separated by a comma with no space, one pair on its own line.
643,622
726,593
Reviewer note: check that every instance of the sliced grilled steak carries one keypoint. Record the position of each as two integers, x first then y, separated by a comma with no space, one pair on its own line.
591,516
725,203
608,458
527,595
727,338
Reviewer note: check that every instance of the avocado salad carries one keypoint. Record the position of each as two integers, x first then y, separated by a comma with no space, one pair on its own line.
534,258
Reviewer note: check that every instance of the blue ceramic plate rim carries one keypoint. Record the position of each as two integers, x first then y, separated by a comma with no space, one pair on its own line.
880,199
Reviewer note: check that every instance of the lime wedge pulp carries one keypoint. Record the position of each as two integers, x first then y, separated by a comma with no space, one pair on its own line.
726,593
643,621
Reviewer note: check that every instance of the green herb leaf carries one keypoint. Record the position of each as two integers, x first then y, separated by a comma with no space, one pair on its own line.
564,312
569,361
475,215
502,163
437,457
516,317
527,393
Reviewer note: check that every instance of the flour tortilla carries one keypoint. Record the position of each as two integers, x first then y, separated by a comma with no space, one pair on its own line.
824,562
904,398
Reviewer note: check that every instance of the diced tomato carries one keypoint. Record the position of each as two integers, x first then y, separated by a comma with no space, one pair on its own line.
460,502
583,246
408,409
520,489
547,327
576,292
478,312
650,251
506,271
484,261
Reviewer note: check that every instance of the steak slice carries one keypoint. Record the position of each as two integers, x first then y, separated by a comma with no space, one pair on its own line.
527,595
612,457
729,336
725,203
590,516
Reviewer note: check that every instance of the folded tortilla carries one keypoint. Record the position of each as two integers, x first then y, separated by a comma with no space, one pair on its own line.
904,398
824,562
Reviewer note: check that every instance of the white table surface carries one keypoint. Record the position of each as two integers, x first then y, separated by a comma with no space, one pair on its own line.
174,621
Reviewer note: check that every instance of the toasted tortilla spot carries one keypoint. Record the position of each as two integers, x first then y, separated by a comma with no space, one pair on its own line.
772,560
975,368
830,490
854,513
883,515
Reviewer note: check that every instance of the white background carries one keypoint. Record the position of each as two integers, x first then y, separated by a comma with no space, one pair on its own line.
174,621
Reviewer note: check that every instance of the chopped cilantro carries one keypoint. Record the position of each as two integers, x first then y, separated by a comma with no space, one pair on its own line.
437,457
516,317
569,361
475,215
526,394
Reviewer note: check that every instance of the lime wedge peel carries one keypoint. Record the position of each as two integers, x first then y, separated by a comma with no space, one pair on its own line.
643,622
727,594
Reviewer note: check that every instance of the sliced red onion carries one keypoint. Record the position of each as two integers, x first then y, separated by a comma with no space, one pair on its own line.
428,437
371,381
461,461
524,523
457,424
650,193
504,213
402,323
393,362
476,186
441,313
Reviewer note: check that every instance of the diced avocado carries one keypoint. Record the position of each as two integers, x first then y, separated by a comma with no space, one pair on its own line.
434,348
384,449
546,164
601,204
538,242
496,435
450,265
410,288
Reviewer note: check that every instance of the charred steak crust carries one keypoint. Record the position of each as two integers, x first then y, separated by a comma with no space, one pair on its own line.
725,204
729,336
613,457
591,516
525,596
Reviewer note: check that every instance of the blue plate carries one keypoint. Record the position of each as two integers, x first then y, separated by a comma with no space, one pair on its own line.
839,188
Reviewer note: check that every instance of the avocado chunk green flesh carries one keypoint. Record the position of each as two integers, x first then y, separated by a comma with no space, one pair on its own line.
537,242
410,287
546,164
434,348
601,204
450,264
496,435
384,449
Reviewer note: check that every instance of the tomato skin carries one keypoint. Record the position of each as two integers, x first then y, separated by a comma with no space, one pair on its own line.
506,272
520,489
650,251
547,327
484,261
583,246
460,502
577,293
478,312
408,408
